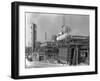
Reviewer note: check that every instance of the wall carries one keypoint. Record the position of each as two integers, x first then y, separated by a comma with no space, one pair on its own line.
63,53
5,40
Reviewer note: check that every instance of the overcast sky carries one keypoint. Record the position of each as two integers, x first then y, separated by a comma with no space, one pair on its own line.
51,24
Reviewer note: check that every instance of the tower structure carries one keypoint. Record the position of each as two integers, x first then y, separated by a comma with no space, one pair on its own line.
34,36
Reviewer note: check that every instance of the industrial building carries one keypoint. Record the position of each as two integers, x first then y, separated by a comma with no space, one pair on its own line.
62,49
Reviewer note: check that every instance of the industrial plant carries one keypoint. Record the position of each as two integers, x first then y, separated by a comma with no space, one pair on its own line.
63,49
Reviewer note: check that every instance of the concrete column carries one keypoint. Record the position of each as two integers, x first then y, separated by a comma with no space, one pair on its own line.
75,56
77,50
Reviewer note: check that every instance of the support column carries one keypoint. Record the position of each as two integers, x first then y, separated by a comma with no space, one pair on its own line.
75,56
